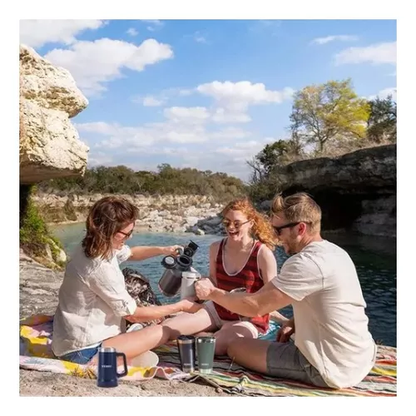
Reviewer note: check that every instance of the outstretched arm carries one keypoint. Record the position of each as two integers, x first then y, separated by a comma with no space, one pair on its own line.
146,252
148,313
266,300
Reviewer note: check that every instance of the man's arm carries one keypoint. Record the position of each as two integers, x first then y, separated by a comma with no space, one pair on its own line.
266,300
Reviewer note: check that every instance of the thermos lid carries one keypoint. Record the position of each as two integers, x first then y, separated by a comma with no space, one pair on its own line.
168,261
205,339
186,339
106,349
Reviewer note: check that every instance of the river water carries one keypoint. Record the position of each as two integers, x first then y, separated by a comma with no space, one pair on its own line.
374,257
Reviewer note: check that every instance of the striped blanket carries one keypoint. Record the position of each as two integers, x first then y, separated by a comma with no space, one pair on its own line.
36,354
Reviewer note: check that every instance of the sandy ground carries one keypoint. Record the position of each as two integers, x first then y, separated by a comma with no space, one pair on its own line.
36,383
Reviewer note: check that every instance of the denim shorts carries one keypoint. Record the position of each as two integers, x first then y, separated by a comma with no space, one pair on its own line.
81,356
284,360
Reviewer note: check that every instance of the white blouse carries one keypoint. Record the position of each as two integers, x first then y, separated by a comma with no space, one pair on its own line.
92,301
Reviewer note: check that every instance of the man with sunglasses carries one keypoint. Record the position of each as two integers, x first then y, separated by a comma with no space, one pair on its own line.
333,346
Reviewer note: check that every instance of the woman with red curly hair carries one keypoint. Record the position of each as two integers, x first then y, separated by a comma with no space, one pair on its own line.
242,260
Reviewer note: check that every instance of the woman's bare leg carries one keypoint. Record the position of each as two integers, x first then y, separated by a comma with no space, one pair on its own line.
137,342
189,323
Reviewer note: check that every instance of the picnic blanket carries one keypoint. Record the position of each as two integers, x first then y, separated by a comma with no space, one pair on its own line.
36,354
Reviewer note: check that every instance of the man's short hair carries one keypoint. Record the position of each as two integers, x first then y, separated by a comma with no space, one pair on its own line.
299,207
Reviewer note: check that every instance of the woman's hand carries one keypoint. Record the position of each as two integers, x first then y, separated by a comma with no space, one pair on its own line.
172,250
189,305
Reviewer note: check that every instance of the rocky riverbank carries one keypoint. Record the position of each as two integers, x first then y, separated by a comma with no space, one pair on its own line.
171,213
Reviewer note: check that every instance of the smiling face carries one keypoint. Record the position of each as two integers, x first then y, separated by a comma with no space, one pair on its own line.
122,235
237,225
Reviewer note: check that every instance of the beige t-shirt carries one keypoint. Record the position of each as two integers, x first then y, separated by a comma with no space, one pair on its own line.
331,327
92,301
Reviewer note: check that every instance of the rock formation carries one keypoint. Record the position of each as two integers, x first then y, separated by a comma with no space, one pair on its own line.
49,143
357,191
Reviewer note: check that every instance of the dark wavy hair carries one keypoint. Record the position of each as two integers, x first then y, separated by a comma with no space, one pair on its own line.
106,218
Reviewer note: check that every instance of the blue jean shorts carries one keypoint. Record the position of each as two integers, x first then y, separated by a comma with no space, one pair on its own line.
81,356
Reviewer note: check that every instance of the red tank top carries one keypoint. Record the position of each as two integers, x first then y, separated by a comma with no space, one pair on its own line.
248,277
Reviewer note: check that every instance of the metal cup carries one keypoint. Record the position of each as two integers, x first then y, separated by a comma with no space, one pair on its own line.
188,281
205,347
186,348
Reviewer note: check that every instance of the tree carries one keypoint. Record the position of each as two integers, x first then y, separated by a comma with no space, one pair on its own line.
327,113
382,124
273,154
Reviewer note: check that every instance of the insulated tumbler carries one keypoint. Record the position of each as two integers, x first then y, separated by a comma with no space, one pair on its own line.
205,347
186,348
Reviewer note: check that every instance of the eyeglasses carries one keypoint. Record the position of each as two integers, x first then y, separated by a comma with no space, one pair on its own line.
237,224
126,235
290,225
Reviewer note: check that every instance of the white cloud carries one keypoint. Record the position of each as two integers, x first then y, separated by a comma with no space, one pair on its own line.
93,64
187,114
99,127
242,151
383,94
230,133
36,33
342,38
382,53
185,92
99,159
153,25
132,32
200,38
237,96
222,115
150,101
177,143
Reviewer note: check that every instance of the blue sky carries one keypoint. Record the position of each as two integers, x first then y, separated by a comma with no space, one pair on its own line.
208,94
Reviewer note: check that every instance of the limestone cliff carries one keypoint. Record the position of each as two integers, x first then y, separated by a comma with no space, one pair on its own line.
49,143
357,191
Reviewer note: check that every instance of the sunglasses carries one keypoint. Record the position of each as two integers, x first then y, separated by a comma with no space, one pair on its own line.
290,225
237,224
127,235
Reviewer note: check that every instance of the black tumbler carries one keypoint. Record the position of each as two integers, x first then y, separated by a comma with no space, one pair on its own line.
186,347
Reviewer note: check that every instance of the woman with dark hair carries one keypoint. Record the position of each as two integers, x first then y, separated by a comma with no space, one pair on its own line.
93,298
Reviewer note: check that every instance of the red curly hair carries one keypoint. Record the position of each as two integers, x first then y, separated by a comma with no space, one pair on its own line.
262,230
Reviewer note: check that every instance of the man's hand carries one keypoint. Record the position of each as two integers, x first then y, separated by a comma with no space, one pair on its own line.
172,250
189,305
204,288
285,331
